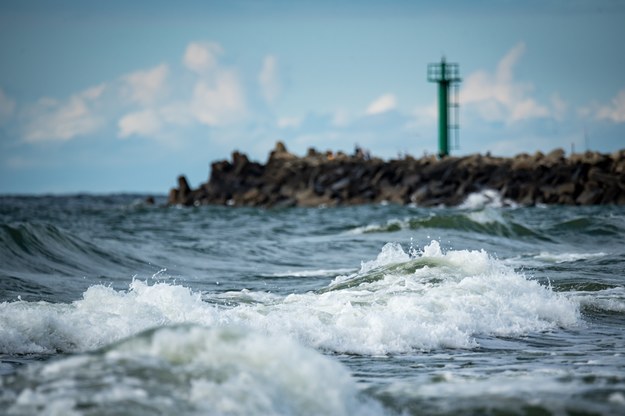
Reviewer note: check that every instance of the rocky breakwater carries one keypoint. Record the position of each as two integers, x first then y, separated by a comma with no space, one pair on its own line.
339,179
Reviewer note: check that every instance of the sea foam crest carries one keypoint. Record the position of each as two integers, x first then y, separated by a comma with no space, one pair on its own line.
436,299
486,198
608,300
397,303
567,257
102,316
191,370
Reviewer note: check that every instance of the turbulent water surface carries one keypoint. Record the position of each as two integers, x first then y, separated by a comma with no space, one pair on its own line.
109,306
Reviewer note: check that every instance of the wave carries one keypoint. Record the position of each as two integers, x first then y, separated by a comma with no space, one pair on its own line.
46,249
309,273
13,287
588,225
548,257
554,225
398,303
486,198
610,300
190,369
556,260
488,221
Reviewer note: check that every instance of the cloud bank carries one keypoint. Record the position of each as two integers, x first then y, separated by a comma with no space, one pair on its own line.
166,101
499,97
614,111
146,87
53,120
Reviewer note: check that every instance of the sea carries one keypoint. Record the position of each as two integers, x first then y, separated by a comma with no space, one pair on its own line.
112,306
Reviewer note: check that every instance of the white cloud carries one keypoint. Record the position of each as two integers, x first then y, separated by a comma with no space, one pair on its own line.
218,97
614,111
382,104
341,118
499,97
215,96
268,78
201,57
52,120
162,123
7,106
147,86
289,122
140,123
218,102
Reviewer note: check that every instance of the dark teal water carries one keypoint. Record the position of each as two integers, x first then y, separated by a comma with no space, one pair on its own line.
110,306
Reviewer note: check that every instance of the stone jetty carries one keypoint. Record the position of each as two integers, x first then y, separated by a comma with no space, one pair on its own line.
331,179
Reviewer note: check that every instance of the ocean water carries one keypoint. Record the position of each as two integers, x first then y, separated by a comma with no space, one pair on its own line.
109,306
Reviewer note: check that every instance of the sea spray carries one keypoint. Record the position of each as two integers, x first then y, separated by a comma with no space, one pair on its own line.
102,316
486,198
190,370
396,303
551,277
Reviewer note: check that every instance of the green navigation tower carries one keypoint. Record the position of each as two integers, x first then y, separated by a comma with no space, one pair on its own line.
447,76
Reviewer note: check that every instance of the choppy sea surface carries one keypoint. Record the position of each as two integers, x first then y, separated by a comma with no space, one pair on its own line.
110,306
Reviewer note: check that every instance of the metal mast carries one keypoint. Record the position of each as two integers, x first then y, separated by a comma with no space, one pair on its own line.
447,75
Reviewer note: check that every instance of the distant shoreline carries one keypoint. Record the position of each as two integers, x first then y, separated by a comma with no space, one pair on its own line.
328,179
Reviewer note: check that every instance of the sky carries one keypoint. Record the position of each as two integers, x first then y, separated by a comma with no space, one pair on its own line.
120,96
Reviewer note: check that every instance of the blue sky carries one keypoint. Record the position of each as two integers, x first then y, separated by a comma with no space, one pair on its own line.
118,96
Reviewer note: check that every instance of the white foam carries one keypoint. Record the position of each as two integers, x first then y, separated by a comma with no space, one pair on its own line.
391,225
617,398
390,253
486,198
312,273
567,257
612,300
487,216
195,370
396,303
102,316
504,390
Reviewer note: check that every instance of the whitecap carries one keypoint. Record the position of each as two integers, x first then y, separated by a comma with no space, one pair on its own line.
610,300
397,303
566,257
192,370
486,198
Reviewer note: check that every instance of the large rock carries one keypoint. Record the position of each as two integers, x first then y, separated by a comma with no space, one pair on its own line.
182,194
328,179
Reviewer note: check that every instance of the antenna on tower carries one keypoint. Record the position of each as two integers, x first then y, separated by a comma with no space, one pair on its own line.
447,75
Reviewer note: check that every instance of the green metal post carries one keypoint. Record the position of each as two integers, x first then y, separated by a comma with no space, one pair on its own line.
443,115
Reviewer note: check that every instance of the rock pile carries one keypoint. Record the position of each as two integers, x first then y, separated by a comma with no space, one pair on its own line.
338,179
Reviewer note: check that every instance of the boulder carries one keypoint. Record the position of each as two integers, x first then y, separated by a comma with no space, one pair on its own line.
553,158
182,194
280,153
337,178
590,195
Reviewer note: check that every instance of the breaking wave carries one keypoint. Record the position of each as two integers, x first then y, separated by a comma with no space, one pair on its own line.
190,369
397,303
